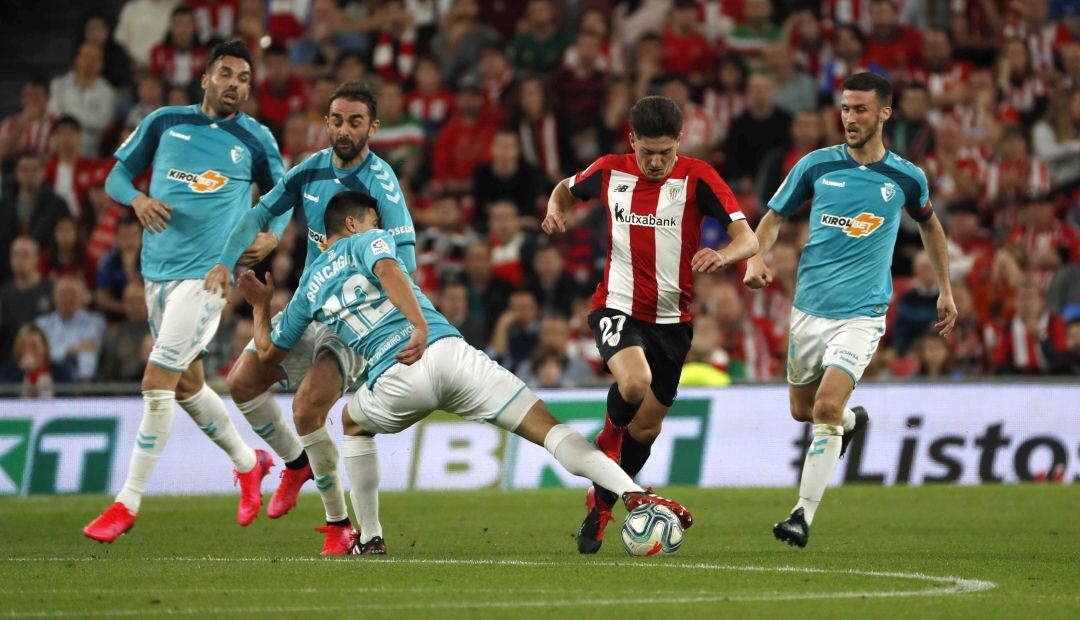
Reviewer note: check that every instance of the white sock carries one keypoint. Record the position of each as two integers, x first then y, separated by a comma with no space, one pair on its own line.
582,458
818,468
209,413
264,415
362,467
849,420
323,456
149,444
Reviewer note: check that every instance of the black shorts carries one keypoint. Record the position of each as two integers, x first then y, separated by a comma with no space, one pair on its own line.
665,345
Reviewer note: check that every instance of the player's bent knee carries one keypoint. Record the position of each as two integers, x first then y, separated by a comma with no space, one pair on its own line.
828,411
245,382
634,388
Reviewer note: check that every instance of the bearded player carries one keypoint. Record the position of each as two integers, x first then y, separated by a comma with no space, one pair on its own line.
204,159
656,200
321,364
857,192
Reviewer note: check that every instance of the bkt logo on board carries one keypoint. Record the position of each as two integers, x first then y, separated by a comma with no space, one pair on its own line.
63,455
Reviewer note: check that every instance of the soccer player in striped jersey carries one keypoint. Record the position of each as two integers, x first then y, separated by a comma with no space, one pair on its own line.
857,192
321,366
655,200
204,159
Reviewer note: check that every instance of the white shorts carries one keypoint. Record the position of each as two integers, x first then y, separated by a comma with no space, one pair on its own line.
317,337
183,318
815,343
452,376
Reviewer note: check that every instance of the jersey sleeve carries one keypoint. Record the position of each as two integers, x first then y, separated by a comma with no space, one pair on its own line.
267,169
370,248
278,202
294,320
715,198
796,189
588,183
137,151
919,207
394,216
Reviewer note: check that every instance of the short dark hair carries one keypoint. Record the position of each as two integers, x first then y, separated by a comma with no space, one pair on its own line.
357,91
67,121
346,204
867,81
656,117
235,48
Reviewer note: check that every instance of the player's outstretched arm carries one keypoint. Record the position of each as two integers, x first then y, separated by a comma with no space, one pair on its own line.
558,203
400,293
743,245
152,213
933,239
758,274
258,295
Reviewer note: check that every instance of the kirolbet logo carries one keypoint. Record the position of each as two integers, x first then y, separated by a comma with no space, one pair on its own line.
202,183
861,225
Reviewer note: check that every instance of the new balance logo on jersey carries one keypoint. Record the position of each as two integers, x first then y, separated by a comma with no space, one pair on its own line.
861,225
888,190
649,220
621,188
202,183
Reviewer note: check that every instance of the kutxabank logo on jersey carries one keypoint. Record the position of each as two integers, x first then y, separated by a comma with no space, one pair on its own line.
650,220
862,225
199,182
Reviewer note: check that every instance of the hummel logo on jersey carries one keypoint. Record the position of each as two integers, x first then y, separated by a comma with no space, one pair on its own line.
832,183
888,191
861,225
202,183
650,220
237,153
177,134
308,196
621,188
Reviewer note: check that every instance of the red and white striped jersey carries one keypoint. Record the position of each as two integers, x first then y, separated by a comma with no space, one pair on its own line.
654,230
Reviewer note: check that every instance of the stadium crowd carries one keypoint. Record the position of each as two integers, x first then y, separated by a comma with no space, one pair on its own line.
484,105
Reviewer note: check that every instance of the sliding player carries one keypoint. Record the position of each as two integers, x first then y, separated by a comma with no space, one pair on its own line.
857,192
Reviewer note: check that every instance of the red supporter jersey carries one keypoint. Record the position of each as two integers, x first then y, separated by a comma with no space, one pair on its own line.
654,230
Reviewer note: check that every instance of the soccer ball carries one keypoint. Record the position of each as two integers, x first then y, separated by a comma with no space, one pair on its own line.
651,530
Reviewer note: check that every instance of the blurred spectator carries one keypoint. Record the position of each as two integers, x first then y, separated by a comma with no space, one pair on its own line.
1056,138
317,109
807,134
697,126
687,53
1023,91
935,358
215,19
612,57
294,140
400,139
120,348
281,92
31,364
585,89
488,293
429,102
648,65
26,295
753,31
705,363
98,30
793,89
773,303
512,247
955,169
73,332
394,54
849,57
809,46
84,94
151,96
242,333
917,308
553,338
1063,294
910,133
613,132
142,24
944,75
1072,341
746,339
177,95
441,247
538,128
506,178
762,127
326,42
550,284
1043,38
453,303
540,45
460,40
514,338
65,254
29,206
967,341
725,99
179,59
1046,239
106,215
119,269
971,249
69,173
547,370
463,143
30,130
899,49
1015,174
1033,342
1070,61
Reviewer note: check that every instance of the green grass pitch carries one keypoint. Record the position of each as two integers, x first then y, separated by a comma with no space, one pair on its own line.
919,552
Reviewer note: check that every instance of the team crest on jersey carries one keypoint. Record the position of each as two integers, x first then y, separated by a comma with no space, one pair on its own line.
237,153
673,191
201,183
888,190
861,225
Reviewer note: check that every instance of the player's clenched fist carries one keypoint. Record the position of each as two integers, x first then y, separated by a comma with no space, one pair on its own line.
758,274
152,213
708,260
555,221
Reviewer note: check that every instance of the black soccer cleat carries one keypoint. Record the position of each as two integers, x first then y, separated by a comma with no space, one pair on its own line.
591,534
793,530
375,546
862,418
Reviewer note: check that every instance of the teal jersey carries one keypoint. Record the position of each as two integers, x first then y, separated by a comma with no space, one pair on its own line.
855,213
340,289
311,184
203,168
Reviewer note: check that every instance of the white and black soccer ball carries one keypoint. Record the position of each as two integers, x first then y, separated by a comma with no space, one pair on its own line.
651,530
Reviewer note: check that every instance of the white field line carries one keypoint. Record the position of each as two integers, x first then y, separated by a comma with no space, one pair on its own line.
940,586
